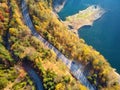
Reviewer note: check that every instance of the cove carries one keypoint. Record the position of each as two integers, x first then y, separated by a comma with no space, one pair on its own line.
104,34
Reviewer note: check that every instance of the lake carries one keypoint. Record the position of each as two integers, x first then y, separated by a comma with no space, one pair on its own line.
104,35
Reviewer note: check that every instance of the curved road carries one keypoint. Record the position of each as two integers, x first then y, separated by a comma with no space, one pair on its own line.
31,72
76,69
34,76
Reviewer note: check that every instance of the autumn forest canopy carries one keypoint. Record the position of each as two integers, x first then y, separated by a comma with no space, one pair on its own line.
18,46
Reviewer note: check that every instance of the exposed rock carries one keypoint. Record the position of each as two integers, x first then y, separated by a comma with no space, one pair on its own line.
58,5
84,17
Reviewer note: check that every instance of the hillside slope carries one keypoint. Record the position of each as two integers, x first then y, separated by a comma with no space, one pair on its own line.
26,48
18,46
100,73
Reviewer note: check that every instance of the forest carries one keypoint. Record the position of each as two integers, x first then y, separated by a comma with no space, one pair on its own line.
18,46
21,43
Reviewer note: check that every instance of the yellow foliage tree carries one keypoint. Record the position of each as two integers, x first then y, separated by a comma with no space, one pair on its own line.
13,31
60,86
82,87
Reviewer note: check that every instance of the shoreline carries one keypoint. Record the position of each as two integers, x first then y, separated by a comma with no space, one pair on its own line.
58,5
75,31
84,18
117,74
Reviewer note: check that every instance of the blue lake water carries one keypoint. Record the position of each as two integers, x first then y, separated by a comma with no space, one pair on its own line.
104,35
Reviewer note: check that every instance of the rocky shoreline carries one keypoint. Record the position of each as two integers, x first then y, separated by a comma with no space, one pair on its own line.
58,5
84,18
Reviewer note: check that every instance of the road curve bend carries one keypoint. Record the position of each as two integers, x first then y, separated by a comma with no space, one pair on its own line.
76,69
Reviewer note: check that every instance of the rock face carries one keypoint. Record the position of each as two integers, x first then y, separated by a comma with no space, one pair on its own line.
58,5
